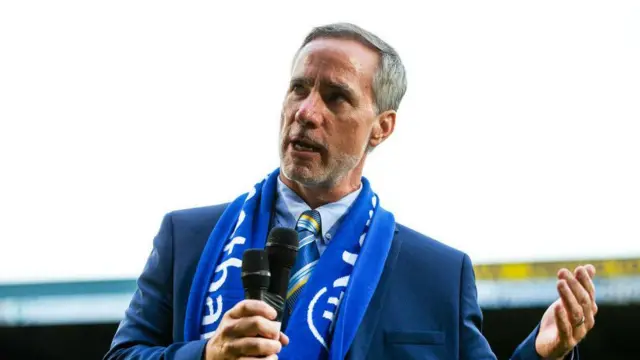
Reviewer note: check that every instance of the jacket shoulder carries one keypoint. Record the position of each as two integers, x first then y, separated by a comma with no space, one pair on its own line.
198,215
191,229
194,225
414,238
422,246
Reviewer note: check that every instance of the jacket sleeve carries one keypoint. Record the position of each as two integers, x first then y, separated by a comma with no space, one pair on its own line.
473,345
145,333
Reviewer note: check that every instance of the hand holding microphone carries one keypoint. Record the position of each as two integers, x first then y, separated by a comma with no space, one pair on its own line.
252,327
247,331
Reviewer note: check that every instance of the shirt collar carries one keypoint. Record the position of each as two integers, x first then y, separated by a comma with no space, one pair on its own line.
289,204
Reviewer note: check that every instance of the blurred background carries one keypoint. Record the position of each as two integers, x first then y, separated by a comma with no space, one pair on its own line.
517,142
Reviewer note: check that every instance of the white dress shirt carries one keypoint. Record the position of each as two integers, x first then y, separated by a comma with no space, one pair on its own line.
289,207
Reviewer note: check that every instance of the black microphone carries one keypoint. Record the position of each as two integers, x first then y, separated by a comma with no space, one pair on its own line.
255,273
282,249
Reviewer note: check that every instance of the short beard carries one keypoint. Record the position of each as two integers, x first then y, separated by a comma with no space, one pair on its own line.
327,177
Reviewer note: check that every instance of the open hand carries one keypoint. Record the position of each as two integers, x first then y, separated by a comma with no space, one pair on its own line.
568,320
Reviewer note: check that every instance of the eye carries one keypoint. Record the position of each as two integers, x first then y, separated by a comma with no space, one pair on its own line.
298,89
336,98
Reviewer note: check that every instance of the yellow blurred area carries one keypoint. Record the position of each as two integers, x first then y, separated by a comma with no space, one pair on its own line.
522,271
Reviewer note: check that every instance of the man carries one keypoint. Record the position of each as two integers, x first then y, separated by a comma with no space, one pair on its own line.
363,287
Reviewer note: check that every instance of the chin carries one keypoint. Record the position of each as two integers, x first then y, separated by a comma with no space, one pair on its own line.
302,174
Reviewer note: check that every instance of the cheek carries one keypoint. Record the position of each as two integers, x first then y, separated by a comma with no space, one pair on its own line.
283,120
352,136
288,114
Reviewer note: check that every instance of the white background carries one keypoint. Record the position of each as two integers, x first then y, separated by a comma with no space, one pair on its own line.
518,139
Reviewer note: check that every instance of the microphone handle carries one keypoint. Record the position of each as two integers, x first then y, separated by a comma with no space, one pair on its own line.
275,301
254,294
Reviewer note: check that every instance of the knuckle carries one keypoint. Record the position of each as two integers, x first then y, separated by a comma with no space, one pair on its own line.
257,321
243,306
250,345
585,295
248,306
226,317
265,330
271,346
229,347
226,328
262,347
245,327
223,328
261,323
576,315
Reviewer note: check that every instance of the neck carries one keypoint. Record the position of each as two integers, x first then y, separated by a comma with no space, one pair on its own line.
316,196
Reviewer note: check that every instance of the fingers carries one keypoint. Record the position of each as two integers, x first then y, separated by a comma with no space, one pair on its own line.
247,331
591,271
253,347
571,303
284,339
580,301
583,277
246,308
582,294
565,329
254,326
271,357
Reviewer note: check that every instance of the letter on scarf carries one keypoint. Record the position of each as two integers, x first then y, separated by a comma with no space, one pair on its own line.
238,240
235,262
213,316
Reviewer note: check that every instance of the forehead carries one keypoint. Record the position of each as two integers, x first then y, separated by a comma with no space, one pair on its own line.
336,59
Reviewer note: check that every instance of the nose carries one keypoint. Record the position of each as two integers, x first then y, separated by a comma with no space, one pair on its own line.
310,111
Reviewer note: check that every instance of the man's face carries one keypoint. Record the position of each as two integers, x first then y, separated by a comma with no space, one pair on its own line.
328,111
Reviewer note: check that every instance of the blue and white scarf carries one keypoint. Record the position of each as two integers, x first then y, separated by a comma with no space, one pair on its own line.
332,303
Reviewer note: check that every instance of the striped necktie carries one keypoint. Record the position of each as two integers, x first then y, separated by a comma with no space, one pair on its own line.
308,228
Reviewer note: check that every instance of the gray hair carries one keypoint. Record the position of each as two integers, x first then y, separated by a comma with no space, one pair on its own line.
390,79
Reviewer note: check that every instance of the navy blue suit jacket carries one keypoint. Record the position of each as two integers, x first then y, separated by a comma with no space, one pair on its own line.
425,306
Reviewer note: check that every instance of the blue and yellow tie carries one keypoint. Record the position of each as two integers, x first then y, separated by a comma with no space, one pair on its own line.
308,228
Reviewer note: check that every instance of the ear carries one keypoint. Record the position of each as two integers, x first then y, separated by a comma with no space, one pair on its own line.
383,127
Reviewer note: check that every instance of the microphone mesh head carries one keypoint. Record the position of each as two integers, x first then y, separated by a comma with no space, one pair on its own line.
282,246
255,260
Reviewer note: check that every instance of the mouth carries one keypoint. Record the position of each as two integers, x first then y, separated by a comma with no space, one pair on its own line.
305,145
